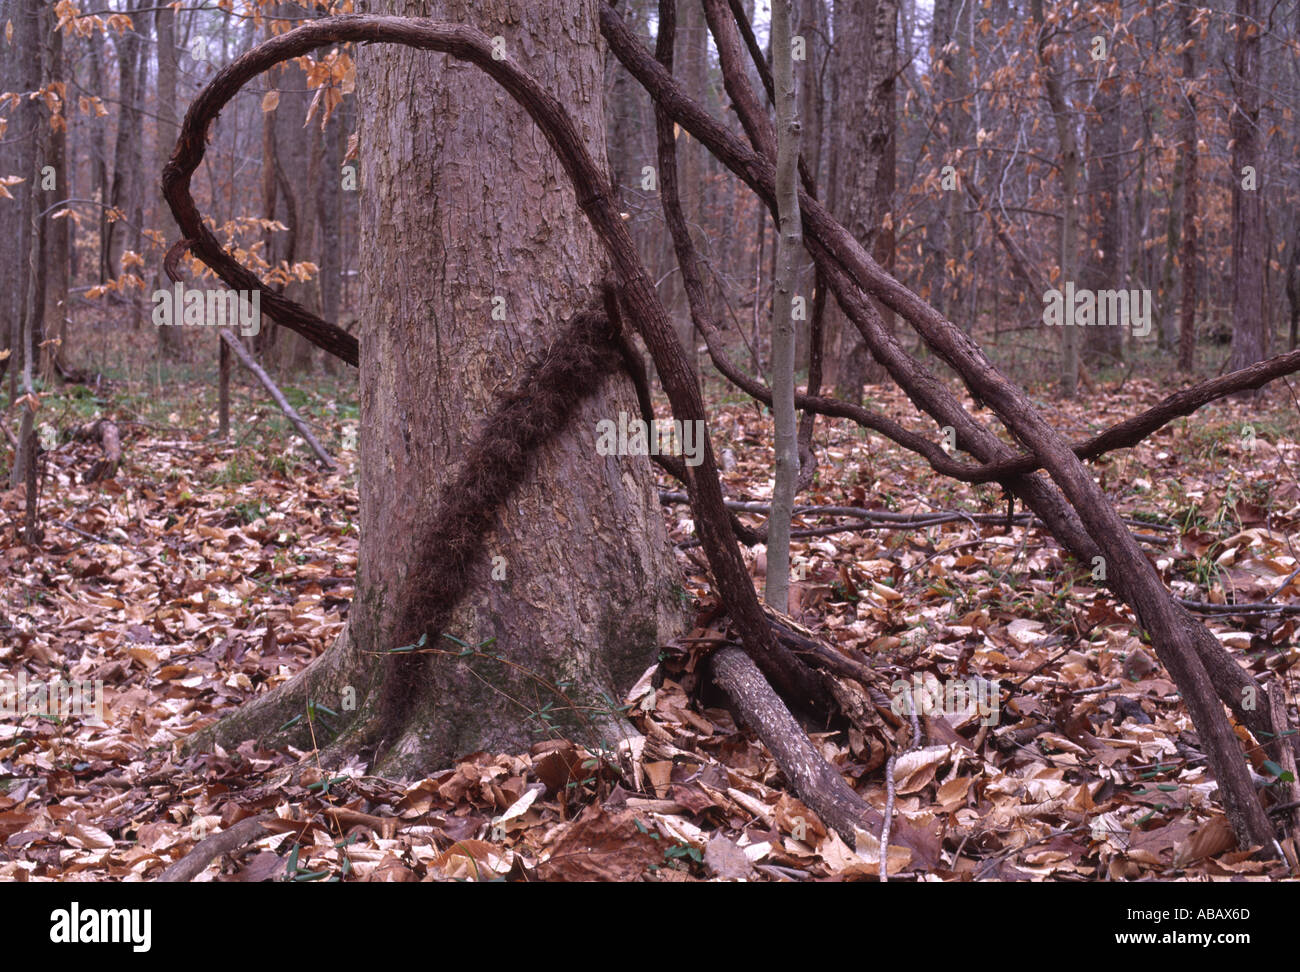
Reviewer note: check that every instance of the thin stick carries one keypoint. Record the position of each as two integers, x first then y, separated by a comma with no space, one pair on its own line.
889,792
205,851
277,396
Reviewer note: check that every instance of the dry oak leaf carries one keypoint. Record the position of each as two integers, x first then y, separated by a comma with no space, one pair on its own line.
602,846
1212,838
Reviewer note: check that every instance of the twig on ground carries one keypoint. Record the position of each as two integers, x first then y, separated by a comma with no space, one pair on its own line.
205,851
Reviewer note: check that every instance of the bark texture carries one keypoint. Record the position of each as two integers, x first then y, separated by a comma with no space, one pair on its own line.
866,53
472,259
1249,309
789,250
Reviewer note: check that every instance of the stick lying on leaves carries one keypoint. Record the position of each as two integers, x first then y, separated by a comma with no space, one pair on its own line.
205,851
277,396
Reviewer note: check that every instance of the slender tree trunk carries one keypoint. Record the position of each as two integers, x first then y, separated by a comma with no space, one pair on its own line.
126,149
1068,150
1191,200
866,55
16,159
170,339
1250,330
691,63
56,232
1293,286
812,23
99,155
36,198
942,237
1102,267
789,254
327,216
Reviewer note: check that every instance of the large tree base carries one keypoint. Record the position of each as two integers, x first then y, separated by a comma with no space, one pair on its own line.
333,708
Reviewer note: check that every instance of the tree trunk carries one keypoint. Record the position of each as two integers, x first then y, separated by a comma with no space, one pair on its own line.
813,24
1249,312
467,218
691,61
170,339
126,150
789,253
1068,147
1101,270
99,153
946,234
56,230
1187,154
16,158
328,204
1293,286
866,51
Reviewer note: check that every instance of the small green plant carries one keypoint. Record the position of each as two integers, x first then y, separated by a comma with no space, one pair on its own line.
249,511
294,872
238,471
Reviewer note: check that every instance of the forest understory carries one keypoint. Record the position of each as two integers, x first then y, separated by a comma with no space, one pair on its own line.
206,572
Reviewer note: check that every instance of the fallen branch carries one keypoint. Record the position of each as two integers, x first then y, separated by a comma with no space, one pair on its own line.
816,782
1237,610
883,520
205,851
89,536
277,396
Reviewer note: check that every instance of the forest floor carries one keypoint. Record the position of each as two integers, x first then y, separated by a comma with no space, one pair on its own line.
207,572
